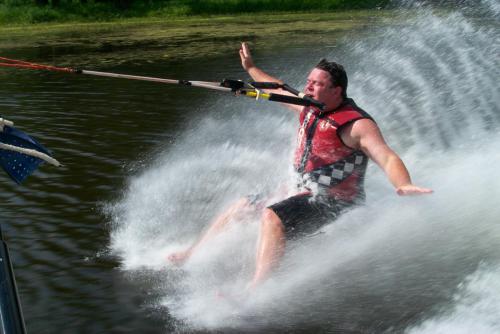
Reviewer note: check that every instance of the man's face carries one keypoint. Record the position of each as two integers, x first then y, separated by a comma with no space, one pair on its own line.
319,86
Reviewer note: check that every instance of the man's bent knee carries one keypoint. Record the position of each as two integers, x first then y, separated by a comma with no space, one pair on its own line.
271,220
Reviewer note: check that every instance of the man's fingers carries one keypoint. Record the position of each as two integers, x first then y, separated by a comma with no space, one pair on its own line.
413,191
245,50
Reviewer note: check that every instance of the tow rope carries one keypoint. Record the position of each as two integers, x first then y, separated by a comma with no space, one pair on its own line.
238,87
21,154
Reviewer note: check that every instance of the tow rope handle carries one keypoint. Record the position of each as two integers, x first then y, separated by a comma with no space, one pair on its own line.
252,90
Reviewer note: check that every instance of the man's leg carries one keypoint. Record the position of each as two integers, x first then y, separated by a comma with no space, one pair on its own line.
271,247
215,228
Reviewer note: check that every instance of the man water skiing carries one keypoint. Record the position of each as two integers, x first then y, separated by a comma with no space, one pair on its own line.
333,148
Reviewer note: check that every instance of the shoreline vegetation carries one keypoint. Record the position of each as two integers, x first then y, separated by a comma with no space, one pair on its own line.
130,35
32,12
178,39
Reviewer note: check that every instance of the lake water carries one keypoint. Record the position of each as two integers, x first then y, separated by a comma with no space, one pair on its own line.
146,166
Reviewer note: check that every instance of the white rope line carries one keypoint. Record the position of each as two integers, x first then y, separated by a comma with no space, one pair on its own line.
30,152
203,84
258,94
210,85
128,76
4,122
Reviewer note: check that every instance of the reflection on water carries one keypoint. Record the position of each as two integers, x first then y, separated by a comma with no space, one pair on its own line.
178,40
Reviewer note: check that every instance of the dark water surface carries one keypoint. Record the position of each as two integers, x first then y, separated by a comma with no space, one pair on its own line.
82,267
103,131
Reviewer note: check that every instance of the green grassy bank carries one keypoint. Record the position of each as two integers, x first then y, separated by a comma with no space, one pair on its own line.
22,12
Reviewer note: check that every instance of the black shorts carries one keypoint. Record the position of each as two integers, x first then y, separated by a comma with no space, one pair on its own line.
304,214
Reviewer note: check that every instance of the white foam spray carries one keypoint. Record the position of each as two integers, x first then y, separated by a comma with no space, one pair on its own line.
414,264
476,306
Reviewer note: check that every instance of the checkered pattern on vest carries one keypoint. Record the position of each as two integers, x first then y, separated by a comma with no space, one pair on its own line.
337,172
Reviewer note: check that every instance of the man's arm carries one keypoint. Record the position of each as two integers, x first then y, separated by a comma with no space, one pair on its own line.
260,76
365,135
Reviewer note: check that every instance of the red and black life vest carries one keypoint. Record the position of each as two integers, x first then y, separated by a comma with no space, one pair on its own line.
326,164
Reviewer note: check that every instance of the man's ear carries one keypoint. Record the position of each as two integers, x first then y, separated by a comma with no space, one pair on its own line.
337,91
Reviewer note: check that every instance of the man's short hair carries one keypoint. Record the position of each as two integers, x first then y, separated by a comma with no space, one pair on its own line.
337,74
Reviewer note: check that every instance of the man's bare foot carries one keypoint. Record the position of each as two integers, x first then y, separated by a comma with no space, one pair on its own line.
178,258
